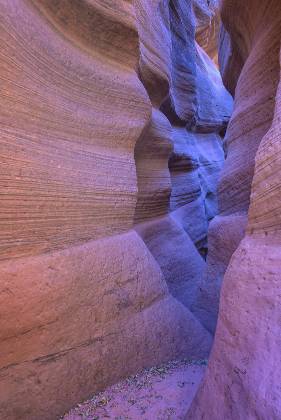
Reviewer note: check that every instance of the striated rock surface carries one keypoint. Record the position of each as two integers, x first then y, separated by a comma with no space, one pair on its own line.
195,165
243,376
252,116
99,241
74,321
177,168
68,129
207,15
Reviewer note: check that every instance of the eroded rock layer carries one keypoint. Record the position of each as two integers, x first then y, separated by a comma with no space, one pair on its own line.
258,51
243,376
110,150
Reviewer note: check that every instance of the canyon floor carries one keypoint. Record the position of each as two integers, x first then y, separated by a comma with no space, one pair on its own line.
160,393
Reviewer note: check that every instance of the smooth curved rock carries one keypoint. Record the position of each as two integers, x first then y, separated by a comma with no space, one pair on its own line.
86,137
243,376
180,262
155,48
224,236
84,322
68,130
152,152
207,26
171,57
251,119
195,165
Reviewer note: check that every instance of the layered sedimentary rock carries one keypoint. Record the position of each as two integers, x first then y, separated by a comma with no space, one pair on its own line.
195,165
207,26
198,108
100,265
72,112
243,377
65,115
258,49
168,242
74,321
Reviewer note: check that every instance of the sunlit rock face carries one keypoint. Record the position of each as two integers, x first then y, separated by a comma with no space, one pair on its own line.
207,15
243,377
111,115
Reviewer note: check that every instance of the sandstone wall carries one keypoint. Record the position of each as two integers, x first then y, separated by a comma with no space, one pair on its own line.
243,377
194,109
251,40
99,267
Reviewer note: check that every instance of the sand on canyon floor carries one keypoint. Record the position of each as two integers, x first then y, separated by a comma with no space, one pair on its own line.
160,393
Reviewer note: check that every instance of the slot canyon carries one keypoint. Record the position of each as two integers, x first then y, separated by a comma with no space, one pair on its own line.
140,224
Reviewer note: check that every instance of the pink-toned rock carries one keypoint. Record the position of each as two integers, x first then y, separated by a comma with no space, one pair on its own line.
171,62
164,392
224,235
83,301
85,146
207,26
251,119
180,261
243,376
195,165
85,321
152,152
68,130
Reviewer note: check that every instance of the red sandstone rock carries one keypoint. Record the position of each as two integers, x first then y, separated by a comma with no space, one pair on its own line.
195,165
243,376
207,26
85,145
74,321
252,116
172,63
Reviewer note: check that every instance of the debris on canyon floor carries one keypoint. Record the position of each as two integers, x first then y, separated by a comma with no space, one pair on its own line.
159,393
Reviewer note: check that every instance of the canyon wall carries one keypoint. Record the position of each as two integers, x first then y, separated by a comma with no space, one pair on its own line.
253,49
243,376
110,150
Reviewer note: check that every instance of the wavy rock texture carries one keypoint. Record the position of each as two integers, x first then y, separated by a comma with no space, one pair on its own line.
66,114
207,26
251,119
243,377
195,165
99,267
84,321
193,97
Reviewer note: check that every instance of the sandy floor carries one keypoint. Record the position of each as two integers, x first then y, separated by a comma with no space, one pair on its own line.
162,393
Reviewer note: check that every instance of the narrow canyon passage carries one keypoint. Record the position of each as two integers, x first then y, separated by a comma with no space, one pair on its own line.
139,241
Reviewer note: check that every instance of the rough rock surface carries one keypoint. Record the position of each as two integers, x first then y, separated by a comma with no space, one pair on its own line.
161,393
258,51
94,95
85,321
243,376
